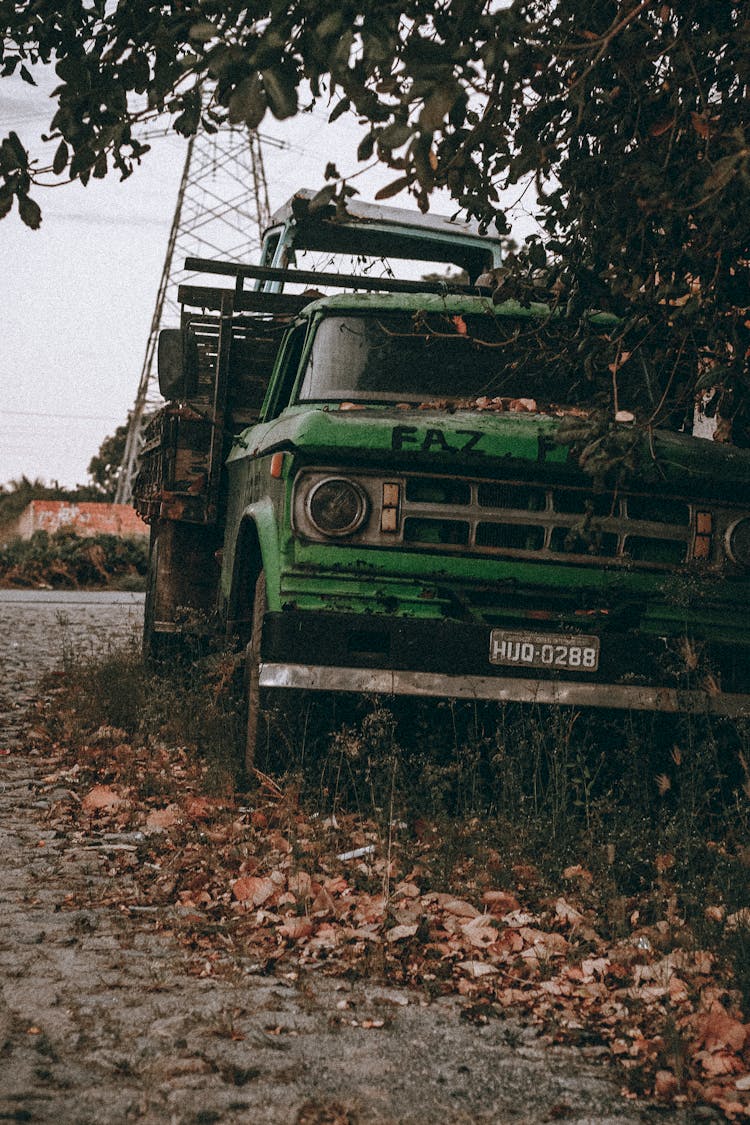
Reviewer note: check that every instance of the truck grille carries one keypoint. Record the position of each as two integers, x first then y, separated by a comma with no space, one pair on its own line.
531,521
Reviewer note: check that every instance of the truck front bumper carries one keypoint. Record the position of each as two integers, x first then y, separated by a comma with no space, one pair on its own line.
384,655
383,681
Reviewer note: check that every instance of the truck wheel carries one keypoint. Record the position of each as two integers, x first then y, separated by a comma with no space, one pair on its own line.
257,722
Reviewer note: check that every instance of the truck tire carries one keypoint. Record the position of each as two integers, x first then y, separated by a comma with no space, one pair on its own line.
276,718
257,721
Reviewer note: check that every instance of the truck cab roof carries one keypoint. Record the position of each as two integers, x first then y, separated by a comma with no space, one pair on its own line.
359,212
369,230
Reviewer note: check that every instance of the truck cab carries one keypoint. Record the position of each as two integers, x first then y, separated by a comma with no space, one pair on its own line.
387,241
399,517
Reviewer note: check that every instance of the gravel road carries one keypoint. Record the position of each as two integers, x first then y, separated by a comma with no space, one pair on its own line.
41,628
100,1023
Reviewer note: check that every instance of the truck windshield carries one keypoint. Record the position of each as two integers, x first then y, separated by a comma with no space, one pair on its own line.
401,357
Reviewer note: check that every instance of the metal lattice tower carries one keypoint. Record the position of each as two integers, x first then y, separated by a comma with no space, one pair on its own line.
222,209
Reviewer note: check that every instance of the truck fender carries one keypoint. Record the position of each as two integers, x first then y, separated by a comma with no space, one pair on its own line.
255,548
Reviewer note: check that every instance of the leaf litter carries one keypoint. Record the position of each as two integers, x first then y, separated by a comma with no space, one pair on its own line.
269,882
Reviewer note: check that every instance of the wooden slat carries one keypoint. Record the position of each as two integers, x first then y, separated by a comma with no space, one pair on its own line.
209,297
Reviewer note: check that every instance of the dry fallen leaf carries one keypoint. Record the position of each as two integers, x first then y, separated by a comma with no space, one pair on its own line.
300,884
253,888
158,820
568,913
500,902
296,928
101,797
477,968
719,1031
665,1085
578,872
458,907
398,933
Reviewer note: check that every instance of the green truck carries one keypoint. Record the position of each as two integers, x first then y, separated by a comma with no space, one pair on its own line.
357,477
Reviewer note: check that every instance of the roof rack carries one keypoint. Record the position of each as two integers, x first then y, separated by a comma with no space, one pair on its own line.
312,277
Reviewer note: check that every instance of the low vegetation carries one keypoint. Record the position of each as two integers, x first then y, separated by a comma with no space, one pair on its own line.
64,560
587,870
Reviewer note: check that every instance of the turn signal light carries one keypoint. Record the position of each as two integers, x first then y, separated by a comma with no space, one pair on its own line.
389,511
703,533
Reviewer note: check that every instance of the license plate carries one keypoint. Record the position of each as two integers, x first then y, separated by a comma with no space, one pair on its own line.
555,651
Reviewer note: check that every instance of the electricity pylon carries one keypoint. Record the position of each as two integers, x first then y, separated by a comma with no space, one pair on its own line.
222,209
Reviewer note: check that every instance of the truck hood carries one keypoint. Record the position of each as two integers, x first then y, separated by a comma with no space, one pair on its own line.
485,442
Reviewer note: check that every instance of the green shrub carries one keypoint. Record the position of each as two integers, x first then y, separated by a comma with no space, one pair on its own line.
68,561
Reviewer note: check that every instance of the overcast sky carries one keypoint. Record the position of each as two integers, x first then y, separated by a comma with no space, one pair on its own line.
77,296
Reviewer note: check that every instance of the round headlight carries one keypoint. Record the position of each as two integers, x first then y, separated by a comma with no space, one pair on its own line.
337,506
738,542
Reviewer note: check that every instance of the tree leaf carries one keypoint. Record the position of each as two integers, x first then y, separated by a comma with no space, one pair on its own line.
281,93
203,31
60,160
248,102
438,105
394,136
322,198
12,153
340,107
366,146
329,25
393,188
30,212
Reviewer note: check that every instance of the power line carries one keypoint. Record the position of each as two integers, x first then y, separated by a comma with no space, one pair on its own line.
44,414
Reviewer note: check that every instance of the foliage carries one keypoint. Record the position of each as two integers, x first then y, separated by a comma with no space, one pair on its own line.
104,466
65,560
631,118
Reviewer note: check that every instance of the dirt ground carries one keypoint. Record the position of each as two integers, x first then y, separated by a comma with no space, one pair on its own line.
100,1021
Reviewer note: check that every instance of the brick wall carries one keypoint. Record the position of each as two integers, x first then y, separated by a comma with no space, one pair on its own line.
84,519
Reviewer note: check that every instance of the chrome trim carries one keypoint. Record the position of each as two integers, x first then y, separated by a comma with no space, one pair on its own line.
383,681
548,520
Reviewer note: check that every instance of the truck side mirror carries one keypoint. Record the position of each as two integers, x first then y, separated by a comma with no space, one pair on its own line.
176,363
